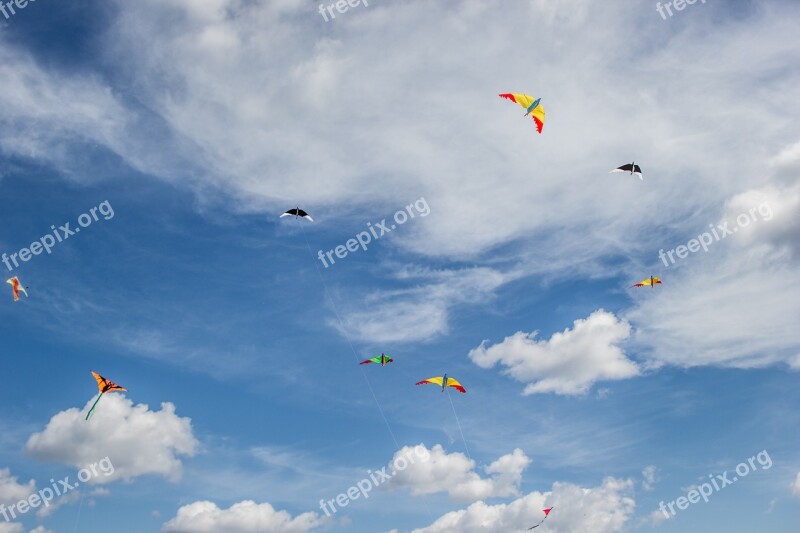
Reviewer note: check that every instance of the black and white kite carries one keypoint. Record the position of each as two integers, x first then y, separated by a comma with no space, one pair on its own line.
632,168
297,212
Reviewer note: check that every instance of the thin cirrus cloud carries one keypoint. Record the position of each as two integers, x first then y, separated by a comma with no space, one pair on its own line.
733,305
243,104
240,106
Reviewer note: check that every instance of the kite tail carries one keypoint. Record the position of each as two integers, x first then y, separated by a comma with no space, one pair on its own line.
93,406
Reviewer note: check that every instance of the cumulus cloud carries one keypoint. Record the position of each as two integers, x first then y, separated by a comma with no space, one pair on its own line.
570,362
243,517
136,440
603,509
10,527
11,491
796,485
455,475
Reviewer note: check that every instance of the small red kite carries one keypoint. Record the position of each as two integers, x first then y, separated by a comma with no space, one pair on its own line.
546,514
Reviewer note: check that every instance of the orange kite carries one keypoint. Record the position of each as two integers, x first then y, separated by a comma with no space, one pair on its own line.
104,386
16,286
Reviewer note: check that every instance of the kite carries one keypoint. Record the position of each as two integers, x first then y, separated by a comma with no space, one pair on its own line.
546,514
16,286
652,282
297,212
633,168
382,359
531,105
104,386
444,382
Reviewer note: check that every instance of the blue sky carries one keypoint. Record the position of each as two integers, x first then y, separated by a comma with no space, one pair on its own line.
200,122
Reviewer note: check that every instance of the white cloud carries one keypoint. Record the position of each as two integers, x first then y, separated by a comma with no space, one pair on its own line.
733,305
796,485
243,517
245,106
648,477
603,509
419,313
454,474
243,111
136,440
11,491
768,215
49,116
10,527
65,499
570,362
41,529
655,518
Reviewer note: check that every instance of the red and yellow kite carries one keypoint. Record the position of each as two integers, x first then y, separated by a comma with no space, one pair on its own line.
103,386
444,382
531,105
650,282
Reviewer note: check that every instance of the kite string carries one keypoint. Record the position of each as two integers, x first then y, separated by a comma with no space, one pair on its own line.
347,337
355,354
459,424
80,507
93,406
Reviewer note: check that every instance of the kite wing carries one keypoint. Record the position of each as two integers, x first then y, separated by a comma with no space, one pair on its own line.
525,101
623,168
456,385
431,381
105,385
